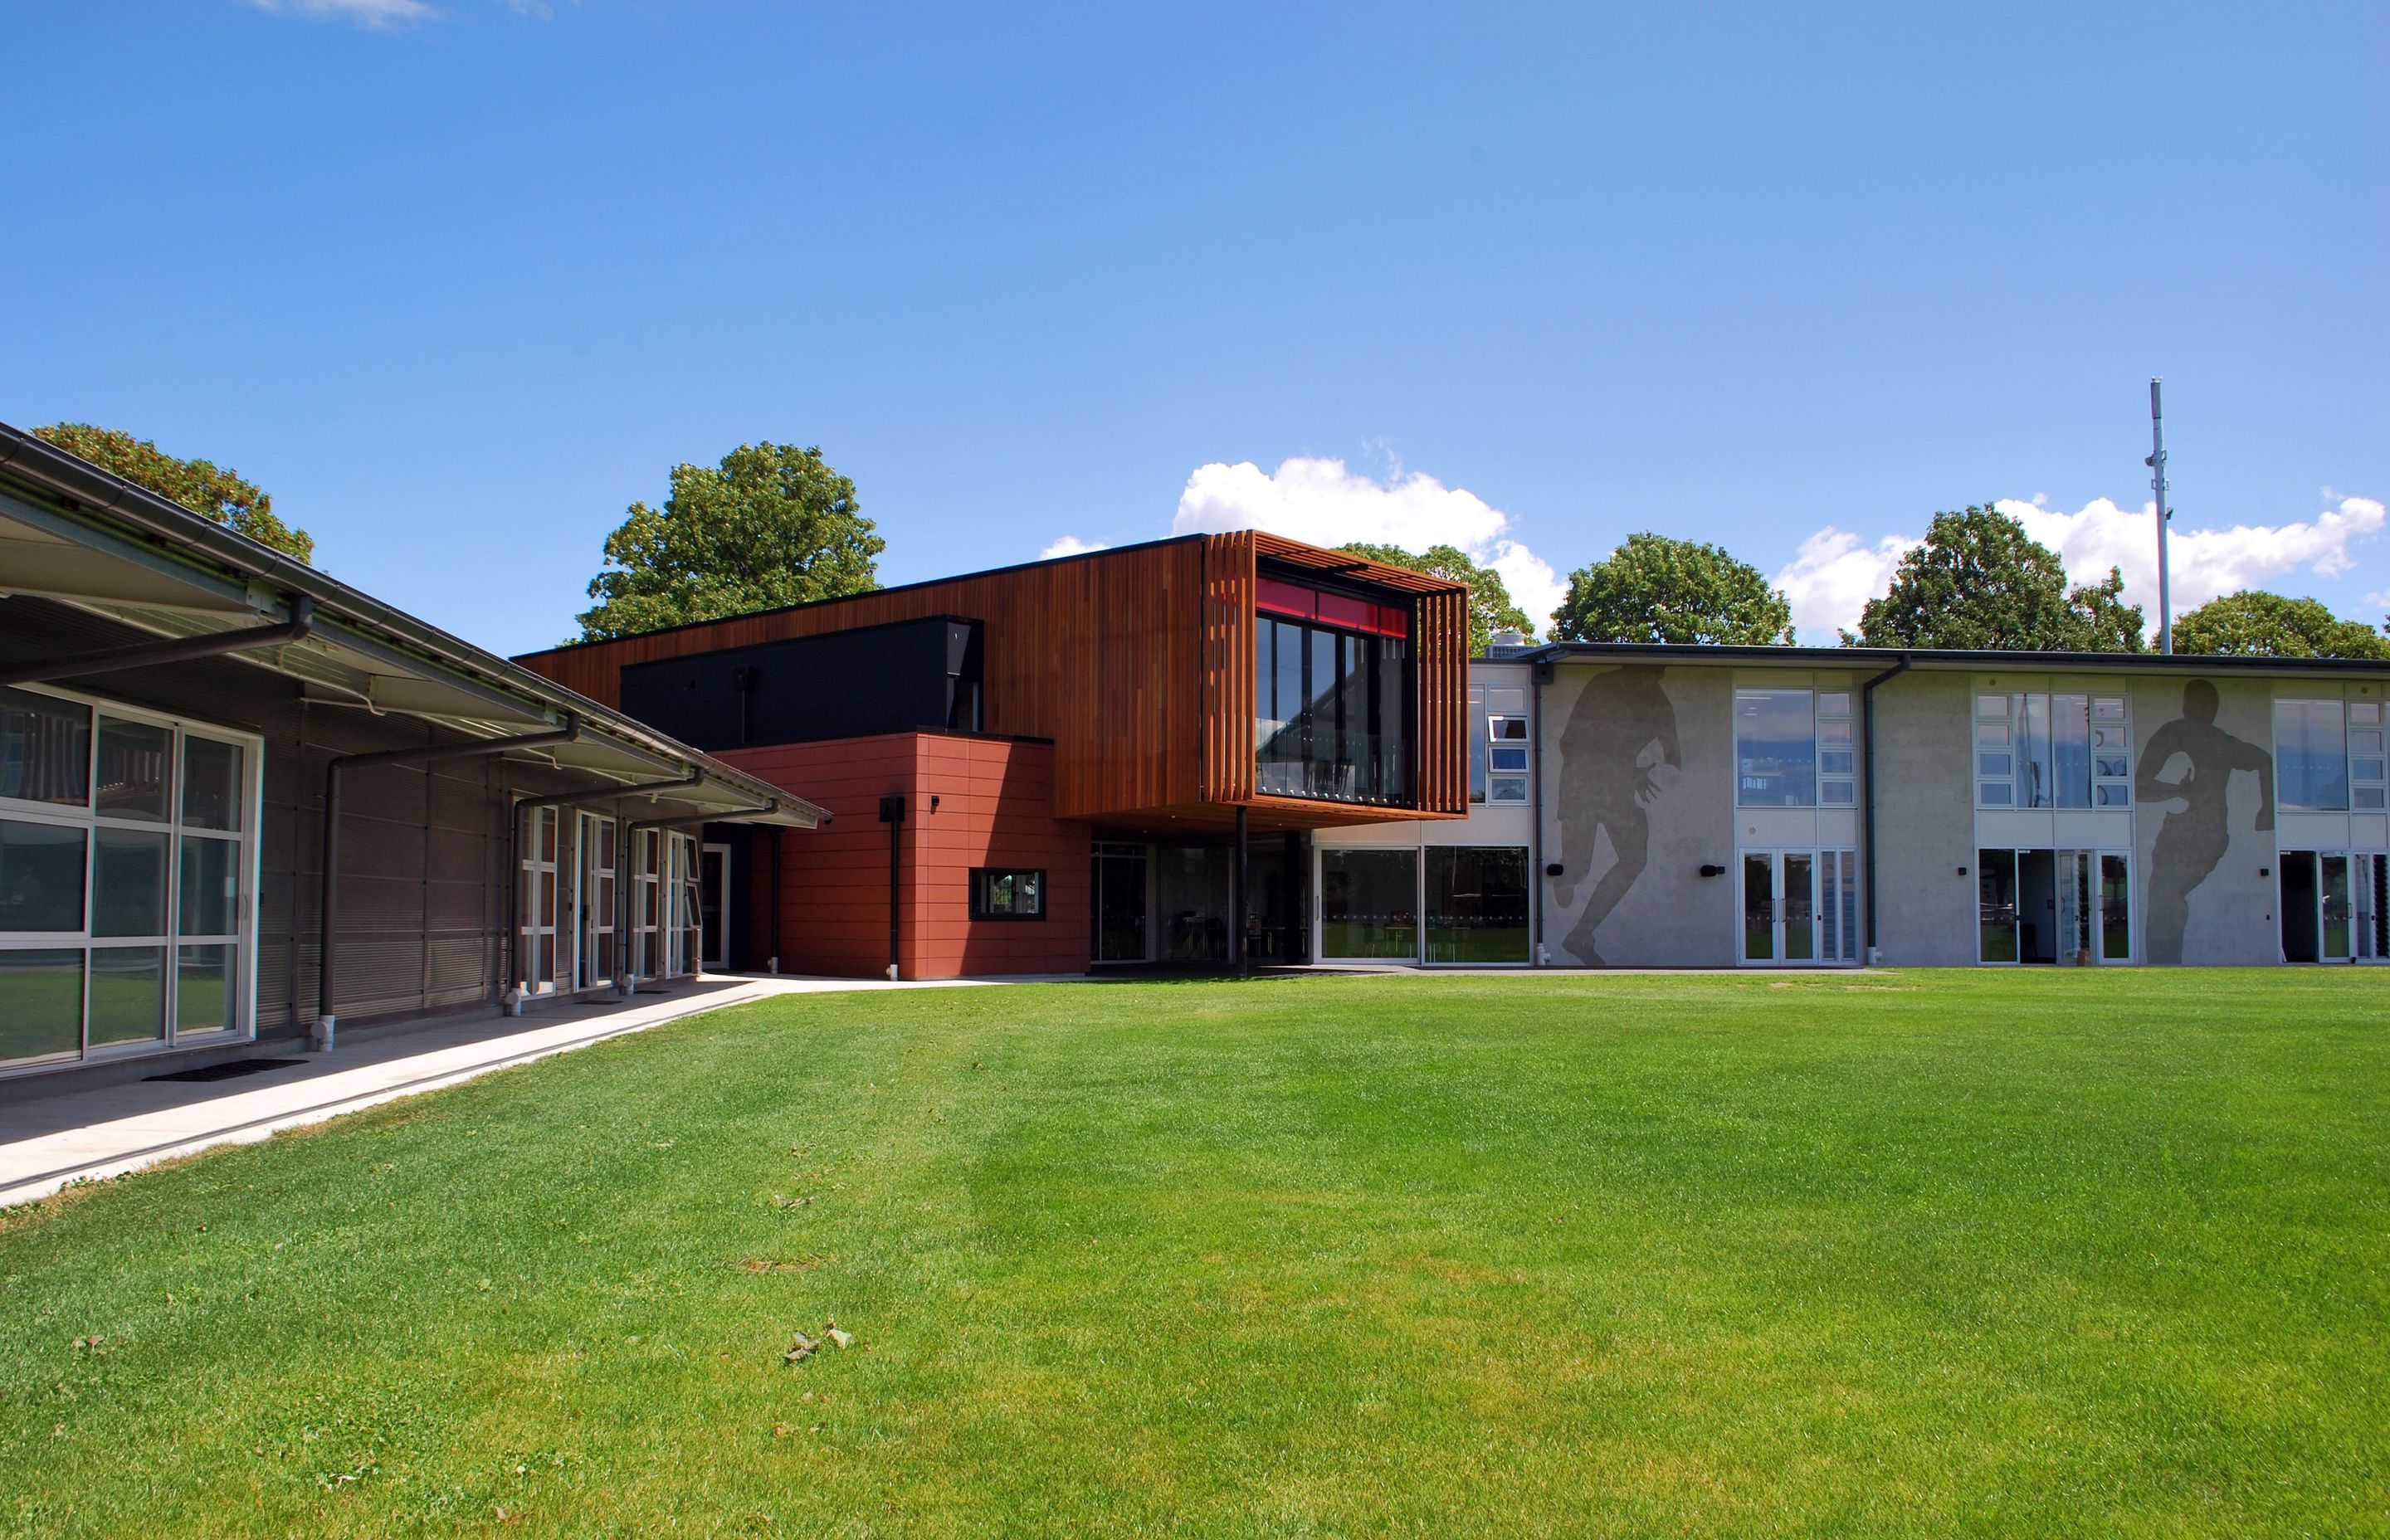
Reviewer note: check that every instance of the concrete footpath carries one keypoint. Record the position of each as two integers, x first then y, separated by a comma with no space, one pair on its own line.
46,1142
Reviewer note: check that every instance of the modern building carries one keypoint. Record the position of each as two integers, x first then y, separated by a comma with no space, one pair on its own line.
190,721
1708,806
1235,748
1101,760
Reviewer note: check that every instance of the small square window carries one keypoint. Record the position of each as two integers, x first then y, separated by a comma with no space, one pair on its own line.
1834,703
2107,708
1995,794
2367,713
2115,794
1992,765
2368,798
2365,741
2111,766
1834,732
1834,762
1834,793
1509,729
2365,769
1006,892
2107,738
1502,758
1992,735
1993,706
1507,789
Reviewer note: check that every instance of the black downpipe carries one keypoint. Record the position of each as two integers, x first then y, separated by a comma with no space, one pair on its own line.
891,813
176,649
1866,854
774,835
327,921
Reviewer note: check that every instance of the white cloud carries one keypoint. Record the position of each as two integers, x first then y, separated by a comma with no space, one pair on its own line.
374,15
1324,503
2202,563
1834,575
1071,544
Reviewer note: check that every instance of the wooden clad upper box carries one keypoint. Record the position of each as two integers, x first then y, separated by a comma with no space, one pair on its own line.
1138,663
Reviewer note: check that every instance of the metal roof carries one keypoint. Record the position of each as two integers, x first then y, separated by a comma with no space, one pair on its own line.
1969,659
74,533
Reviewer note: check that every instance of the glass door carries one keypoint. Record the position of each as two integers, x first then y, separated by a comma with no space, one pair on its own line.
593,956
714,896
1780,907
539,964
1119,912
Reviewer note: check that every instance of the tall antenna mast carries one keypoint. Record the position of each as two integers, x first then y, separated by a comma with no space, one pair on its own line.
2156,462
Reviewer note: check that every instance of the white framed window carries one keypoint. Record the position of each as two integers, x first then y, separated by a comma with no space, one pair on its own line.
2066,749
2311,755
128,878
1508,755
1837,751
2365,782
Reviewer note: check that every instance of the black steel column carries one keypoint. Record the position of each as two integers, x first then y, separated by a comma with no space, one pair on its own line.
1238,879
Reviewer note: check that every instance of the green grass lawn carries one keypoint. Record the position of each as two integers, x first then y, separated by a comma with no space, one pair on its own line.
1990,1254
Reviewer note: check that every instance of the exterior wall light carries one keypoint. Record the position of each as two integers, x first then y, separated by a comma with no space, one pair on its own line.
1711,869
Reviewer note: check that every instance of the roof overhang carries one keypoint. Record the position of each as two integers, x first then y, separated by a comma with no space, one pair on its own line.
1870,659
78,536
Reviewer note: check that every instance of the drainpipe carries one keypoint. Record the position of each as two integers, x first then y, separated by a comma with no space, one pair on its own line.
175,650
1535,879
1867,842
515,850
327,1015
891,813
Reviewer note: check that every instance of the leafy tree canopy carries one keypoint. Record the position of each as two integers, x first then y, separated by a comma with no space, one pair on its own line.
198,485
1655,589
1490,609
1980,582
772,525
2254,624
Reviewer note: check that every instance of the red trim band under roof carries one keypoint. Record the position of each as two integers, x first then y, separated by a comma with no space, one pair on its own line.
1346,612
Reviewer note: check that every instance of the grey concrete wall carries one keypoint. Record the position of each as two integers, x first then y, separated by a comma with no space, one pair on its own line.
2203,820
1925,821
1637,767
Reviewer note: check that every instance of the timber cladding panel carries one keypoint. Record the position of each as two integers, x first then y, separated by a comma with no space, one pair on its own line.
993,810
1137,663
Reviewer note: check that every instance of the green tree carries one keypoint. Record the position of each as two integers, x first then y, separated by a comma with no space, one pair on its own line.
772,525
1490,607
1655,589
200,485
2254,624
1979,582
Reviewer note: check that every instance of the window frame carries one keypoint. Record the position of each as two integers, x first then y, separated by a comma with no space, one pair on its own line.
983,881
171,942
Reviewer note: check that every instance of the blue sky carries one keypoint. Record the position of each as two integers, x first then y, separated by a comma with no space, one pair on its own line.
458,281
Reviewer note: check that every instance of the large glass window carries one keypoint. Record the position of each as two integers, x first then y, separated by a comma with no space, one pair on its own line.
125,916
2311,755
1476,904
1369,903
1775,749
1332,706
1006,892
2066,750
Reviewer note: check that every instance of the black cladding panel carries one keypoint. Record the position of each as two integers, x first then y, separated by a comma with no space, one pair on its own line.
845,684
